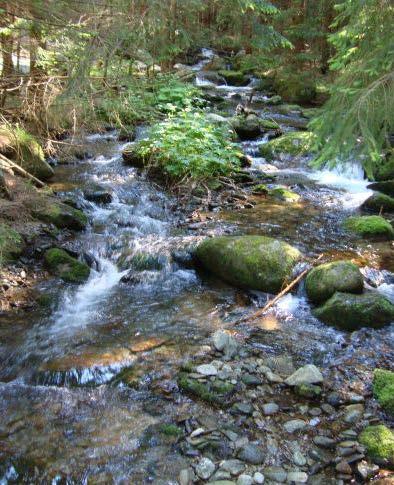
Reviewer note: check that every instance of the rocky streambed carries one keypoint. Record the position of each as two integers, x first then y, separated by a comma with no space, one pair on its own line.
147,372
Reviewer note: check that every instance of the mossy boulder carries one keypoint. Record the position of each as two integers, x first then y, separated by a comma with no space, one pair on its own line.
370,227
378,202
295,143
213,392
383,389
260,189
325,280
379,442
63,216
295,87
352,312
11,244
25,150
269,124
131,156
255,262
385,171
247,127
60,263
234,78
386,187
284,194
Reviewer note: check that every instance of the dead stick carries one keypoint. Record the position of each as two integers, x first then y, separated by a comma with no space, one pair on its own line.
272,302
22,171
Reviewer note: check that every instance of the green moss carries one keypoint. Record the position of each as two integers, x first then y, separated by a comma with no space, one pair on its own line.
11,244
284,194
255,262
146,262
65,266
378,202
210,392
170,430
269,125
131,156
234,78
385,171
61,215
351,312
295,143
324,280
383,389
260,189
308,390
247,127
370,226
222,387
379,441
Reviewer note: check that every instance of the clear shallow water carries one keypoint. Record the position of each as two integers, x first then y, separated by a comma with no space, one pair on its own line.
62,415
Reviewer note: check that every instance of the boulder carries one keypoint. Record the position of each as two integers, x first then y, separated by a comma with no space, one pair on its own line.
255,262
60,263
371,227
100,196
309,374
295,143
247,127
235,78
352,312
132,157
61,215
284,194
379,442
386,187
11,244
25,150
383,389
324,280
378,202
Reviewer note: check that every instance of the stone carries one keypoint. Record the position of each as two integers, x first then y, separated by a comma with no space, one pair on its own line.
366,470
352,312
379,442
295,143
258,478
233,466
186,477
272,377
353,413
309,391
270,408
275,473
251,453
324,442
243,408
245,480
131,156
60,215
207,370
343,467
294,425
378,202
251,262
370,227
205,468
225,342
324,280
386,187
98,196
299,459
251,380
247,127
60,263
297,477
309,374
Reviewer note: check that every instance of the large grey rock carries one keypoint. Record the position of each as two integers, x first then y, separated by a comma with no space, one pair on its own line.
224,342
251,454
309,374
205,468
275,473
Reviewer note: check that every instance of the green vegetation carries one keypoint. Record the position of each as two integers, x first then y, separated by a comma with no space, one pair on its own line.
295,143
60,215
383,389
370,227
65,266
379,441
170,430
212,393
286,195
11,244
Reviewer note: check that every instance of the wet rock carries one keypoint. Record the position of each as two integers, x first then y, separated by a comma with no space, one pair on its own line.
98,196
243,408
234,466
379,442
255,262
272,377
324,280
207,370
353,413
275,473
132,157
334,399
184,259
298,458
247,127
270,408
324,442
351,312
309,374
245,480
258,478
251,453
205,468
293,143
225,342
284,194
60,215
343,467
386,187
370,227
378,202
60,263
297,477
366,470
294,425
251,380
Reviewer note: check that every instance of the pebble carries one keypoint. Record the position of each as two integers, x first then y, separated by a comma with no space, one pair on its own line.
334,399
185,477
324,442
258,478
294,425
243,408
343,467
245,480
353,413
274,378
367,470
205,468
251,454
275,473
296,476
224,342
270,408
299,459
234,466
251,380
207,370
328,409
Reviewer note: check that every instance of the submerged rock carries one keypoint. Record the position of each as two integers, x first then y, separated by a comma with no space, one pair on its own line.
379,441
370,227
324,280
351,312
255,262
383,389
378,202
60,263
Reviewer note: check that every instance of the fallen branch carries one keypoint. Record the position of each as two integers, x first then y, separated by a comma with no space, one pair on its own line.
286,290
21,171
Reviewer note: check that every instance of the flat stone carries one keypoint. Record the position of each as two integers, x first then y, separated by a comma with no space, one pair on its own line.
294,425
207,370
270,408
251,380
243,408
205,468
274,378
343,467
245,480
299,459
309,374
275,473
296,476
234,466
186,476
258,478
324,442
252,454
353,413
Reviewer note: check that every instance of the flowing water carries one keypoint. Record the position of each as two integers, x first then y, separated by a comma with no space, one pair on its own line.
66,411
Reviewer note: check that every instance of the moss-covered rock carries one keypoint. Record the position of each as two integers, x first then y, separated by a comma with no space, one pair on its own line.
379,442
254,262
370,227
294,143
269,124
385,171
234,78
260,189
324,280
378,202
386,187
247,127
274,100
295,87
25,150
213,392
383,389
11,244
351,312
309,391
132,157
63,216
284,194
60,263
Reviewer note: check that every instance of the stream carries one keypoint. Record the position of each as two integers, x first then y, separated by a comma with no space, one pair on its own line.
66,416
